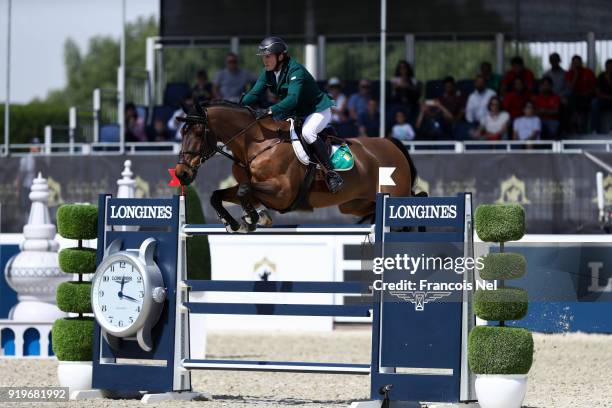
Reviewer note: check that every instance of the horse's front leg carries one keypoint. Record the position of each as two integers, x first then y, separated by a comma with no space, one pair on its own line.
251,216
216,201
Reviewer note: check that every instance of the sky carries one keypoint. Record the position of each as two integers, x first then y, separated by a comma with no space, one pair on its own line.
39,29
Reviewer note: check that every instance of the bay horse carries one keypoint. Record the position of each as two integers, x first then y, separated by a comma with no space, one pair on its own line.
270,175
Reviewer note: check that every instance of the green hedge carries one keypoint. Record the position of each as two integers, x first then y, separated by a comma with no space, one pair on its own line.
72,338
29,121
500,222
198,250
500,350
505,266
78,260
77,221
502,304
74,297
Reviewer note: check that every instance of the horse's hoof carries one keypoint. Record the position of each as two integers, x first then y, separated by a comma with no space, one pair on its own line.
264,219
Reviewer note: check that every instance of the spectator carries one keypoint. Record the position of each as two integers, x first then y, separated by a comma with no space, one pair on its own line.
515,100
202,90
547,104
492,80
581,83
346,127
602,104
495,125
159,132
358,102
335,91
517,70
402,129
369,121
434,121
556,74
173,124
231,82
406,88
452,100
134,125
527,127
478,101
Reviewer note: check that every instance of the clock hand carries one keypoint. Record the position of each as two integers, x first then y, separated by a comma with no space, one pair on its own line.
129,298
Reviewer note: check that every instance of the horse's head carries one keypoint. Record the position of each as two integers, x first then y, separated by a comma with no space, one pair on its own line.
198,145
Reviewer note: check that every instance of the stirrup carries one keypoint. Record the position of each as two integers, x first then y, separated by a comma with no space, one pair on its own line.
333,181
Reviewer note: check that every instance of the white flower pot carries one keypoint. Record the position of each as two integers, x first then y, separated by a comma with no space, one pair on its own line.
76,375
501,391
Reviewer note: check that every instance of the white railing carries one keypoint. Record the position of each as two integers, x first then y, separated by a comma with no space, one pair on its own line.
415,147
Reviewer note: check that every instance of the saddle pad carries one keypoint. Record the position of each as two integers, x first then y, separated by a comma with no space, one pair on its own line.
340,156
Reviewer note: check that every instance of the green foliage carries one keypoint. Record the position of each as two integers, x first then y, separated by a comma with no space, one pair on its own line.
502,304
72,338
500,222
78,260
77,221
74,297
500,350
97,68
198,250
504,266
29,121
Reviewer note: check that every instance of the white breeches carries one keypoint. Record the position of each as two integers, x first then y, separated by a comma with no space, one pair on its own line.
315,123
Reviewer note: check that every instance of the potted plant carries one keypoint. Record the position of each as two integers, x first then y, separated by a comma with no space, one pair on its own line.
73,336
500,356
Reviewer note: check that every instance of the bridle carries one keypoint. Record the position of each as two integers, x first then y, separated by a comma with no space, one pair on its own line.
209,145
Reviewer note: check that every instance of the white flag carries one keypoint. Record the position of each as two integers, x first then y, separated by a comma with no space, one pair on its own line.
384,176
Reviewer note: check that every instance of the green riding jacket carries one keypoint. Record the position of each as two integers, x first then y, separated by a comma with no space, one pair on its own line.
297,91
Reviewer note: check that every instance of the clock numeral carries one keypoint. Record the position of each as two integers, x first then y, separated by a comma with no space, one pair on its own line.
138,309
122,264
131,320
120,323
105,278
141,294
101,293
103,308
139,278
112,268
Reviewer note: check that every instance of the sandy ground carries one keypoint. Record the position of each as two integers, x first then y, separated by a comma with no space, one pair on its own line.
569,371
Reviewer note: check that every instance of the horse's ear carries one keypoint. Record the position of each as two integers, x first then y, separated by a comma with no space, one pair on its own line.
199,109
185,108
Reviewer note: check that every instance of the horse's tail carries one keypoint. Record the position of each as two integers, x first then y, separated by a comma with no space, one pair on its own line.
413,169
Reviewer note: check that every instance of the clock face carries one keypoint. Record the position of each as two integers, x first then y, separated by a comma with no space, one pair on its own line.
119,294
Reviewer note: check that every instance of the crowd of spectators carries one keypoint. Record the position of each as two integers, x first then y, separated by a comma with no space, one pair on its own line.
515,106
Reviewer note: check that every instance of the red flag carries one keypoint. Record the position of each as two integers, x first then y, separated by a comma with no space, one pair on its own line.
174,182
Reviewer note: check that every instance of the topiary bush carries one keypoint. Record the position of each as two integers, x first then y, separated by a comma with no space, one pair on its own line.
198,249
73,336
500,349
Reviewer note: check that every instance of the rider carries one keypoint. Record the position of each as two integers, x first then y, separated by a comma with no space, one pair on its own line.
299,95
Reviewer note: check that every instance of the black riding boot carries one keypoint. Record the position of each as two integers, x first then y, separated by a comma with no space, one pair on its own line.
332,179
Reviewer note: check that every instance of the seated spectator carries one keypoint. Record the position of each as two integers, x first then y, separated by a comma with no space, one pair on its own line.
202,90
515,100
547,105
402,129
452,100
492,80
346,127
231,82
517,70
581,83
602,104
434,121
556,74
358,102
134,125
495,125
406,89
478,101
369,121
159,132
527,127
173,124
335,91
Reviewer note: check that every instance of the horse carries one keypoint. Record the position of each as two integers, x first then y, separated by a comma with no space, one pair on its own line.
268,173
